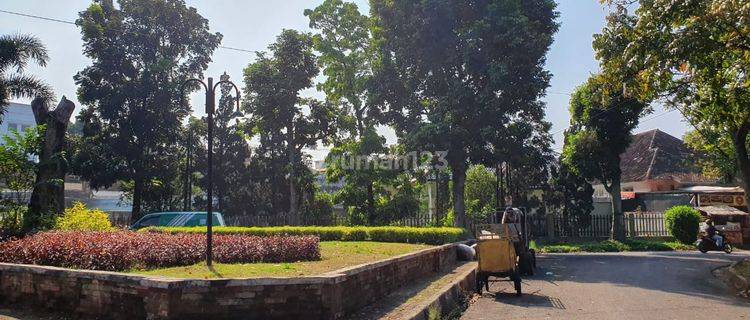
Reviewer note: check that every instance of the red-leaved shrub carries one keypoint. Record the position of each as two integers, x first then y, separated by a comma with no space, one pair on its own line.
126,250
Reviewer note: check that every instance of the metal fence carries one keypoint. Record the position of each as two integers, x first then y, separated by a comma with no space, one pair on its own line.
420,220
119,218
645,224
637,224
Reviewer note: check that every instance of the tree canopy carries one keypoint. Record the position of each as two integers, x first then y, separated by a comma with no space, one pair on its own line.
451,73
691,55
601,125
16,51
272,86
132,89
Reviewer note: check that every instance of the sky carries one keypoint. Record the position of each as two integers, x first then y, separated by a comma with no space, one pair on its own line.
254,24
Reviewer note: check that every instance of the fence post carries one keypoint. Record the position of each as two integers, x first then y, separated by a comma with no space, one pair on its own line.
631,224
550,227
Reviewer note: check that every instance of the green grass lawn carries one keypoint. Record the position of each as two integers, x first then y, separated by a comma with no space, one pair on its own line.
612,246
335,255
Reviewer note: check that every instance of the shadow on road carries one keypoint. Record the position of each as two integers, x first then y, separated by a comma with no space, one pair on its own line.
528,300
684,273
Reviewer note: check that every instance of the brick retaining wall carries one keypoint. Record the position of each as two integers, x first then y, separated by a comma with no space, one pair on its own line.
112,295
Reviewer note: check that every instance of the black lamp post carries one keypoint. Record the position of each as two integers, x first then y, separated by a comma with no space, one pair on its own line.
210,88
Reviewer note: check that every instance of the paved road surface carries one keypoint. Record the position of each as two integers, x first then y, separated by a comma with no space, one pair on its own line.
670,285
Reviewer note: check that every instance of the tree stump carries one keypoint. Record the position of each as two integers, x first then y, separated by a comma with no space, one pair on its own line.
48,196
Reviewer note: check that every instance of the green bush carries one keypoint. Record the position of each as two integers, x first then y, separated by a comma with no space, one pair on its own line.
11,221
560,248
682,222
613,246
80,218
320,208
434,236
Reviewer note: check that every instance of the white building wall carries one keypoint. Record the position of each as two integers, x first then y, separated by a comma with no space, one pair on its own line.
17,117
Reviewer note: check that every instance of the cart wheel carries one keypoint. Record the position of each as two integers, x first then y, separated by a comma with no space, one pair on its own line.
727,248
479,285
517,283
702,247
525,264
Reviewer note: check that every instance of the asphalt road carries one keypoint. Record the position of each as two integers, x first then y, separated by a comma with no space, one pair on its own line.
655,285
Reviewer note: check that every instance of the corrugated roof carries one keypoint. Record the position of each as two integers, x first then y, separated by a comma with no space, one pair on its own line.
654,155
722,211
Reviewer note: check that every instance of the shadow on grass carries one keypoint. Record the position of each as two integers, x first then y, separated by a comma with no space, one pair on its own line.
214,272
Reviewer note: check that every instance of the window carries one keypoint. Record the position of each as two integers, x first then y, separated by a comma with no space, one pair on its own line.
152,221
12,126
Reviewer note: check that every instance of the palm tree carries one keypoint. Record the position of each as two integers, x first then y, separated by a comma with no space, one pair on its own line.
16,51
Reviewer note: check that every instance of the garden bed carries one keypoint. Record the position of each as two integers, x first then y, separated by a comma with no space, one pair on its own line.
334,255
125,250
612,246
103,294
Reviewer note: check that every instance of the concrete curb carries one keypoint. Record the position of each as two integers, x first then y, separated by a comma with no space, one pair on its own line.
738,281
449,297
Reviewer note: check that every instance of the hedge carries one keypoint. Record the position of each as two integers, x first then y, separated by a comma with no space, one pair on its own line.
613,246
683,223
383,234
125,250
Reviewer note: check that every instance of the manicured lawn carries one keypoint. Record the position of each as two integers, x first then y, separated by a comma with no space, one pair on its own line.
335,255
612,246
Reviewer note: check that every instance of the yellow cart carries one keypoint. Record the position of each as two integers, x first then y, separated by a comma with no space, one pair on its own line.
497,258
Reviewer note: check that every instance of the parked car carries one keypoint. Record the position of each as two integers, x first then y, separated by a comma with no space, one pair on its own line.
177,219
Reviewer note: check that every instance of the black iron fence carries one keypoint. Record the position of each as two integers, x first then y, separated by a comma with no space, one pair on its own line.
637,224
419,220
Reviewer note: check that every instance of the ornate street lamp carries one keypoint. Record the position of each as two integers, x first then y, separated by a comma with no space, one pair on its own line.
210,88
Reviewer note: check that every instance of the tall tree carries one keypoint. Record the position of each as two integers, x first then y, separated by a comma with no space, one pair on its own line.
601,122
480,191
345,56
231,154
16,51
48,196
450,72
522,151
273,86
571,193
713,154
694,56
141,51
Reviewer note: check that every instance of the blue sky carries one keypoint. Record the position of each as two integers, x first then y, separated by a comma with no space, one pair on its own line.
253,24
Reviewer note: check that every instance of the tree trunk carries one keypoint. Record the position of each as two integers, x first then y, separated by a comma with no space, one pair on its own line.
293,214
740,147
618,225
48,196
135,213
220,201
370,204
459,184
509,184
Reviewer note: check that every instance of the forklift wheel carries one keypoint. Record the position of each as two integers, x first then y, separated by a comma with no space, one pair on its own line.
517,283
526,264
479,285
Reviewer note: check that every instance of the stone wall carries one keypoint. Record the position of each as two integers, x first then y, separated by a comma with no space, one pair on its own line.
111,295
